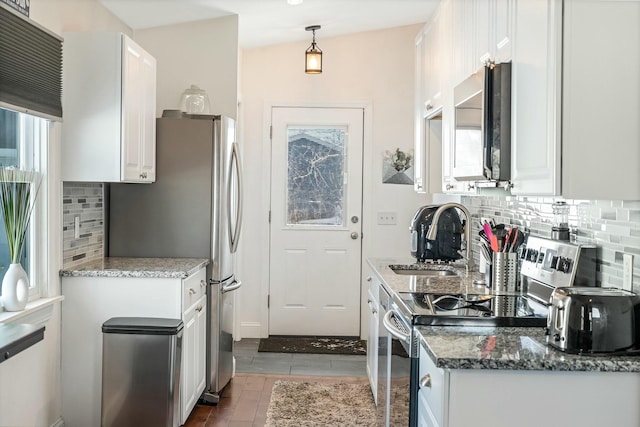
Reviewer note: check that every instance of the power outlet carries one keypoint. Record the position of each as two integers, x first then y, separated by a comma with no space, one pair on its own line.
627,272
76,227
387,218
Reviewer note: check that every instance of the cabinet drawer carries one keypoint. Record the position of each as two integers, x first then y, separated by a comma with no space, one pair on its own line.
425,417
193,288
431,381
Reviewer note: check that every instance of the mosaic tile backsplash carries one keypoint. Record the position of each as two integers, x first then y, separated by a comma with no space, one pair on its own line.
612,225
84,200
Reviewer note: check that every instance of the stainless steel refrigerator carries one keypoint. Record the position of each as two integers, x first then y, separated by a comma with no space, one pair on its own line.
193,210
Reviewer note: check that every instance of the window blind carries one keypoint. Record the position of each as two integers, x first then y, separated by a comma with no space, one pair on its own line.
30,65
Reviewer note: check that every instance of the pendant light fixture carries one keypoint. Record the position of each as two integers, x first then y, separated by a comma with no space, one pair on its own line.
313,55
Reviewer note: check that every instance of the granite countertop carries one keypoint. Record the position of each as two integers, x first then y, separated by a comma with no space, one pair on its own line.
178,268
461,283
486,347
510,348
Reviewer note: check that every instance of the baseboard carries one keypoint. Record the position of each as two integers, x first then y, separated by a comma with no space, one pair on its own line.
250,330
59,423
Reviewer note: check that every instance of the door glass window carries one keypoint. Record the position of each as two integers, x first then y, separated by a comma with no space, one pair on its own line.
316,175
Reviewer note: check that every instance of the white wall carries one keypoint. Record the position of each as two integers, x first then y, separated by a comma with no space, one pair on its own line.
204,53
30,382
375,67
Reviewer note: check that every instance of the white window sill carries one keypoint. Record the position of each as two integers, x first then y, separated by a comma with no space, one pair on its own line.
37,311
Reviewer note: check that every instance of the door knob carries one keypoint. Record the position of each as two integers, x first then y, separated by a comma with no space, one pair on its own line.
354,235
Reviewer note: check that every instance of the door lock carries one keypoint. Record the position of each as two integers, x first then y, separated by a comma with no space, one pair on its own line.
354,219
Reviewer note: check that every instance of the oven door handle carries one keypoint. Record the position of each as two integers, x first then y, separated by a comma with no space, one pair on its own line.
390,325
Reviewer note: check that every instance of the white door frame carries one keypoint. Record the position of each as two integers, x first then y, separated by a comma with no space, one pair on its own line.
367,179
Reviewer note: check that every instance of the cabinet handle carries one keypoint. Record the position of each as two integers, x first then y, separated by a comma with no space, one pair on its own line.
470,187
143,175
449,187
202,283
368,278
192,291
199,308
426,381
508,186
428,106
373,310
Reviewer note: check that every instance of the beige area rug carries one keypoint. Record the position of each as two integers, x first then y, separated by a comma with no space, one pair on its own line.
320,404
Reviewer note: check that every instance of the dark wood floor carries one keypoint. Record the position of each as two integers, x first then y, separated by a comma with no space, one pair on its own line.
245,400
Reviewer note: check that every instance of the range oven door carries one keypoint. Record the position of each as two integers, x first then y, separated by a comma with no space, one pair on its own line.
399,364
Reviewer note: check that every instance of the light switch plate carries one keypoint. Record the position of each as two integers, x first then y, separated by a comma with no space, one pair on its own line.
627,272
76,227
387,218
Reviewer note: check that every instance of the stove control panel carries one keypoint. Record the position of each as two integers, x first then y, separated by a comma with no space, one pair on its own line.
558,263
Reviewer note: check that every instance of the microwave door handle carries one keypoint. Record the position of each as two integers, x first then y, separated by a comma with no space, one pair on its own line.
487,122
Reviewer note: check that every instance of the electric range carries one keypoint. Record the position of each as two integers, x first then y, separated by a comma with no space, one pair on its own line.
429,309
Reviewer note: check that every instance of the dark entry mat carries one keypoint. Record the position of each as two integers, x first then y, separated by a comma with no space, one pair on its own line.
312,344
318,345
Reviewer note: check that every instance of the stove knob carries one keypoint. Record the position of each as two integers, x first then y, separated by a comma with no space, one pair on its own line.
556,337
554,262
564,265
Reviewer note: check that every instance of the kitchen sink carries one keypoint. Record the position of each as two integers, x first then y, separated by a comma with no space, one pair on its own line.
430,271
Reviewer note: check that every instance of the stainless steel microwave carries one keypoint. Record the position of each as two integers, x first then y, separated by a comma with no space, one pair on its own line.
482,136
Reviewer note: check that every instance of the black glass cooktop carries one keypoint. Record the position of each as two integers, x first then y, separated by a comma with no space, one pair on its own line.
482,310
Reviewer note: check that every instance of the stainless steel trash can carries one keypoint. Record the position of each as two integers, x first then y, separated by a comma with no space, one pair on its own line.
141,372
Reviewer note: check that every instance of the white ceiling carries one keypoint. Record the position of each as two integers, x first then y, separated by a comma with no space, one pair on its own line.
267,22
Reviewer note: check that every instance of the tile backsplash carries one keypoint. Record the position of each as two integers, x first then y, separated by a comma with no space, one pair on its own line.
85,201
612,225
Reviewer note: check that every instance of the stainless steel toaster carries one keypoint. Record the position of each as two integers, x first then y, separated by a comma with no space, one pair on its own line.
594,320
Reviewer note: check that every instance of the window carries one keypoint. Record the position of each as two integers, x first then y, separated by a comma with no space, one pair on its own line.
23,144
316,175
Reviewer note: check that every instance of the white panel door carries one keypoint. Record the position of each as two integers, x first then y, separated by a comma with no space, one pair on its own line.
316,207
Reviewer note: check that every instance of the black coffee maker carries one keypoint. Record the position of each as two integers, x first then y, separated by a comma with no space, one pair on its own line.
448,239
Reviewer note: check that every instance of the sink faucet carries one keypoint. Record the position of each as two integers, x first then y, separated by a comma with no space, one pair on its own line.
433,231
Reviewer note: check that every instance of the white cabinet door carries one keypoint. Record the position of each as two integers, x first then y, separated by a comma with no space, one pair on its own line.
482,41
109,109
193,375
372,345
419,162
201,346
138,113
601,100
535,97
188,395
502,29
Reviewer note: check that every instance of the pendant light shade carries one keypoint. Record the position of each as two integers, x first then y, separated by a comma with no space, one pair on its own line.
313,55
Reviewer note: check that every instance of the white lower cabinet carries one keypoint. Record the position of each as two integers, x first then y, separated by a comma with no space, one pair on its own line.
372,336
90,301
193,357
506,398
372,346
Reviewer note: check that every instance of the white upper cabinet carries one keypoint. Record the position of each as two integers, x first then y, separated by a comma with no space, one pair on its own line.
433,65
109,97
535,98
502,37
576,98
601,100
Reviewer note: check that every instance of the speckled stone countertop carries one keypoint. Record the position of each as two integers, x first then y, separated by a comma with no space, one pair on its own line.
461,283
480,347
178,268
510,348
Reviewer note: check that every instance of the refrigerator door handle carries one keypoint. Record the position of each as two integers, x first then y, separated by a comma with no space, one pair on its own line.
231,286
234,234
